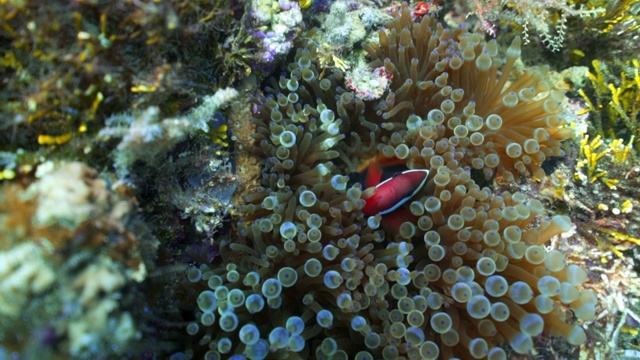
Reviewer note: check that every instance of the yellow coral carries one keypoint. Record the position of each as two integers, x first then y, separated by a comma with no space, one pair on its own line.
619,103
591,162
327,59
621,13
626,207
44,139
159,74
620,151
590,156
7,174
219,135
612,239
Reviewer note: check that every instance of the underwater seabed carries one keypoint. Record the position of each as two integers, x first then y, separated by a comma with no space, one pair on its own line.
320,179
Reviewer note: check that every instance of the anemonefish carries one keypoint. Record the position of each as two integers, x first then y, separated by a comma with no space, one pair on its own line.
389,184
426,7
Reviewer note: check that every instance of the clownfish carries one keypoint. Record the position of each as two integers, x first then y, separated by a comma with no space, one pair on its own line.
389,184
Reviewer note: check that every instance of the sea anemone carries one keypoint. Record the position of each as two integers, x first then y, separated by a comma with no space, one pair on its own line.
478,111
458,271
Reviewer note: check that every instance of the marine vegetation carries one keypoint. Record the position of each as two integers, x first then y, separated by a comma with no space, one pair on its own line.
458,270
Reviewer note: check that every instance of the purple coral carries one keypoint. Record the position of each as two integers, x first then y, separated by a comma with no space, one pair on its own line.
277,29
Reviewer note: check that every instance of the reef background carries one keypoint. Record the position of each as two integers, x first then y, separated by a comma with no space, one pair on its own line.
125,155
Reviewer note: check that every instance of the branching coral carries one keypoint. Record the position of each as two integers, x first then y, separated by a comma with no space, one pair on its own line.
457,272
146,137
615,102
620,18
590,161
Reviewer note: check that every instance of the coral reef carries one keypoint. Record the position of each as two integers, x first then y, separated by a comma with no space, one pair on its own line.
66,67
84,304
606,239
145,137
548,18
367,83
277,24
346,25
590,167
288,179
614,101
